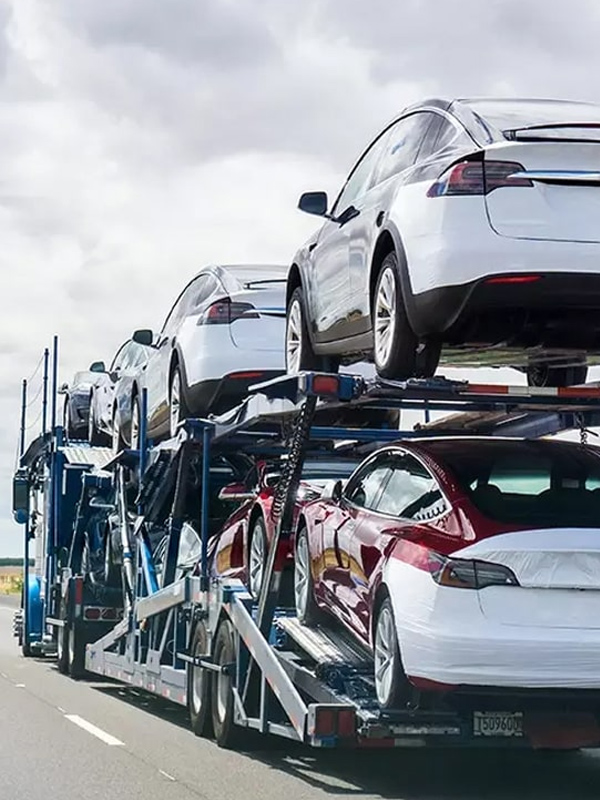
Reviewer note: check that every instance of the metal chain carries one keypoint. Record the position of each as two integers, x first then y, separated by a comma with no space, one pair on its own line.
292,467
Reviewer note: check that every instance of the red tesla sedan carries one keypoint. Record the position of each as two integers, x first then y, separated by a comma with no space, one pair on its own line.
461,562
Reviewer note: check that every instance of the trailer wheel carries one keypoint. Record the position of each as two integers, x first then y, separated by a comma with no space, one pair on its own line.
227,734
76,651
199,685
62,648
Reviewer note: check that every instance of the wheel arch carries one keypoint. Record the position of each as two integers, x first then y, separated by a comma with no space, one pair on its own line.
294,281
390,241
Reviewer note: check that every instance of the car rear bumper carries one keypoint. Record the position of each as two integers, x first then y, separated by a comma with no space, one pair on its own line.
560,310
217,395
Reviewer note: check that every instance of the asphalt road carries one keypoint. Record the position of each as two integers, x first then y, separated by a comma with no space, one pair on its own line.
139,747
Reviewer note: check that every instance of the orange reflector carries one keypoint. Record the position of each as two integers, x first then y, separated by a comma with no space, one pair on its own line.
241,376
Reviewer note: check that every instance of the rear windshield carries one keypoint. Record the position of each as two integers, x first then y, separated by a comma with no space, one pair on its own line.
538,484
511,115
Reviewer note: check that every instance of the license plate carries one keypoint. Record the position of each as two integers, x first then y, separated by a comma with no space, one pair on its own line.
497,723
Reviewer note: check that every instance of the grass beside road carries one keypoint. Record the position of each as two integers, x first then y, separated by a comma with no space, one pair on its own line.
11,580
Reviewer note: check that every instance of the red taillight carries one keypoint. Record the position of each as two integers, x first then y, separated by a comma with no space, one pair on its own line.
224,312
78,595
347,724
324,722
477,178
245,376
326,385
461,573
512,279
92,613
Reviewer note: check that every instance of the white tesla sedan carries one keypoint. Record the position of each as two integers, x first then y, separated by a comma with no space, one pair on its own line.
467,228
224,333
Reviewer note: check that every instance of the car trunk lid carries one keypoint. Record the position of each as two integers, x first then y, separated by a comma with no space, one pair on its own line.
558,571
262,327
559,193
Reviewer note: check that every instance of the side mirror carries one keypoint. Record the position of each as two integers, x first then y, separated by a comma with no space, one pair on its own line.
114,375
332,491
20,497
235,493
144,337
314,203
64,388
97,366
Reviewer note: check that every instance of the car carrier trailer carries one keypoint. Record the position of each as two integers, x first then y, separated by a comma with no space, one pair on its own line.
241,664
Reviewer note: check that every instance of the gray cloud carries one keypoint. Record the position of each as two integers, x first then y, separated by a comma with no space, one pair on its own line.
140,139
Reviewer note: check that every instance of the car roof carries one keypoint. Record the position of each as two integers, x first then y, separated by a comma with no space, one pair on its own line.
438,446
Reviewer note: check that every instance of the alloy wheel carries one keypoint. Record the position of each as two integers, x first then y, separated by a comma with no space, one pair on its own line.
385,317
135,425
301,576
293,338
175,403
385,656
257,559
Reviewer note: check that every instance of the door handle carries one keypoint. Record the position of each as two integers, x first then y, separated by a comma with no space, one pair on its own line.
380,219
311,247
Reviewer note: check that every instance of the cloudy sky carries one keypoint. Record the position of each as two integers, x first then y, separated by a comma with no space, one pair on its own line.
141,139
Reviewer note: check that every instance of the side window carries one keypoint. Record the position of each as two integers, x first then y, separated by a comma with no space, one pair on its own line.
200,292
359,180
366,487
402,143
411,492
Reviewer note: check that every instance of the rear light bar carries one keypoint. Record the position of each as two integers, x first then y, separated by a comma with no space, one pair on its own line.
224,312
470,178
330,722
461,573
95,613
513,279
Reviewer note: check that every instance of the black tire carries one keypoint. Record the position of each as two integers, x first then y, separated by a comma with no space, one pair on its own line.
69,430
62,646
557,376
112,569
227,733
199,686
96,438
258,537
299,353
182,411
118,442
394,692
76,648
397,360
26,650
307,610
136,408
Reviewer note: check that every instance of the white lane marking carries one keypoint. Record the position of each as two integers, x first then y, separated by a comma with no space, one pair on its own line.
4,675
19,685
97,732
62,710
166,774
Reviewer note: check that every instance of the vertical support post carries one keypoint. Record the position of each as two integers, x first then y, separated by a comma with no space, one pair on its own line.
45,391
23,418
54,382
204,509
142,443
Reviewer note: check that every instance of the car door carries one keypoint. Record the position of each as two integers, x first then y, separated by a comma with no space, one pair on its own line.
106,388
397,155
339,576
410,498
328,279
156,372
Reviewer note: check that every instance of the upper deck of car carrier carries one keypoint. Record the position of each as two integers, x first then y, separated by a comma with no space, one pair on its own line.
202,640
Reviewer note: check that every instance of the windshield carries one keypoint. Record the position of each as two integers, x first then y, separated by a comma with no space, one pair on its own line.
511,115
538,484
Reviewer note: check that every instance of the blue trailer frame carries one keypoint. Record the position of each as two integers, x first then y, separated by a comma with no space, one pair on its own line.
271,674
